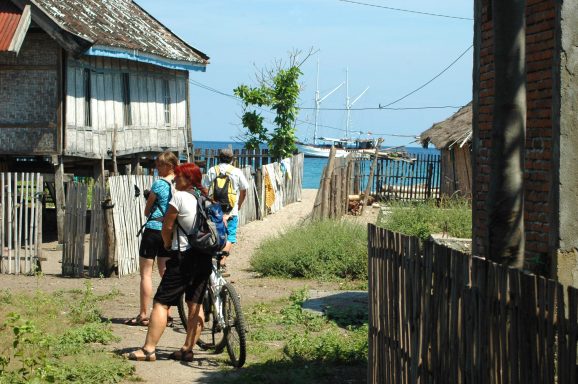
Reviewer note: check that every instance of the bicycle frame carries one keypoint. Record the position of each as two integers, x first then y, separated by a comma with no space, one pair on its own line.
216,284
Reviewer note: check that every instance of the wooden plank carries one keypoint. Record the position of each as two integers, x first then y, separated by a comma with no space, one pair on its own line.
572,329
550,331
3,224
563,369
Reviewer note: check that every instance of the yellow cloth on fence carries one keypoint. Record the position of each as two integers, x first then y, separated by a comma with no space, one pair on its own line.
269,190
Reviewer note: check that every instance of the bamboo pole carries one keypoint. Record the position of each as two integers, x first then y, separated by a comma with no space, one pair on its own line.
326,184
369,181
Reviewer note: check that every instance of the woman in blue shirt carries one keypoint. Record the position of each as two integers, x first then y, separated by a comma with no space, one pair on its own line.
151,245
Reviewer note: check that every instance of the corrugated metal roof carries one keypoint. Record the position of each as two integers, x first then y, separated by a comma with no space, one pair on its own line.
9,18
120,24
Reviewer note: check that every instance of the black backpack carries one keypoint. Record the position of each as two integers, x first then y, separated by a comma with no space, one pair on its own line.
209,232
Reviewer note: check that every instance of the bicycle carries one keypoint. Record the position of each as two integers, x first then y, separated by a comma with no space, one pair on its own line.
223,317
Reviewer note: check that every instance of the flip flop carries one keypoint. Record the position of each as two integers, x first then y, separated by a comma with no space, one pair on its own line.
138,321
181,355
148,356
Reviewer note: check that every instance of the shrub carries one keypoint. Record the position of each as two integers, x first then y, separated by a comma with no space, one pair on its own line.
324,250
452,216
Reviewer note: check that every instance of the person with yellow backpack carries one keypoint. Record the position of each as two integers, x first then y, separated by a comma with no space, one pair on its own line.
228,186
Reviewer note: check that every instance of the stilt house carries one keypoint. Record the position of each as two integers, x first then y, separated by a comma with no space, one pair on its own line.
83,82
453,137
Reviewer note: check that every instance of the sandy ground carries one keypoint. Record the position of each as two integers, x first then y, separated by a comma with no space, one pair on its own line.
205,368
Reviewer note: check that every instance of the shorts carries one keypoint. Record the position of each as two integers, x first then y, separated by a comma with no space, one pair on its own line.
151,244
232,224
189,274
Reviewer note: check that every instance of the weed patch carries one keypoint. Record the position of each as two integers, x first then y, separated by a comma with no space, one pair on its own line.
289,345
52,338
322,250
450,216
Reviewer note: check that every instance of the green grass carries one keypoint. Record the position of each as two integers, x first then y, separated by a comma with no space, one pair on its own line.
59,337
289,345
421,219
322,250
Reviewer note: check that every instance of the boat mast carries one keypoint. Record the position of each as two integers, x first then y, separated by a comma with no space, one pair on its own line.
318,101
348,105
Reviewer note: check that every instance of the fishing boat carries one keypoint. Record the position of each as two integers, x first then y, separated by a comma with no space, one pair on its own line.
320,146
343,147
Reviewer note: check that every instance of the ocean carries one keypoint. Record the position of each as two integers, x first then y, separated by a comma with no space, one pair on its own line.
313,167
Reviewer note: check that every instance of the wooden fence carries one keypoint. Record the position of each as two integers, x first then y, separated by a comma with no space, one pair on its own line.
384,179
74,230
20,222
128,216
439,316
120,248
418,179
243,158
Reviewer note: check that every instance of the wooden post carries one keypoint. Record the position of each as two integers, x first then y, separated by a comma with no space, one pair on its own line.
110,238
114,164
371,171
326,184
59,195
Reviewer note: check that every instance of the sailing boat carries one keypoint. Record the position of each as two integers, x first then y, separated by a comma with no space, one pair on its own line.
322,145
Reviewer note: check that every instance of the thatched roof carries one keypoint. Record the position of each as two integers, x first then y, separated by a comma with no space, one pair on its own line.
457,129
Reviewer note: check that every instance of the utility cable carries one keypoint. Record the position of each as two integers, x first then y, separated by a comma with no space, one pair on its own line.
406,10
429,81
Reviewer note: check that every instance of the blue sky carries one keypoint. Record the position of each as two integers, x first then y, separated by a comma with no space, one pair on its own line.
390,51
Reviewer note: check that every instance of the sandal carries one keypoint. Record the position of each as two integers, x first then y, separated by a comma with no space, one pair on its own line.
182,355
170,321
148,356
138,321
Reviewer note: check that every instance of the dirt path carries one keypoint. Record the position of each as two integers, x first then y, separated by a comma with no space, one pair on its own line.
205,368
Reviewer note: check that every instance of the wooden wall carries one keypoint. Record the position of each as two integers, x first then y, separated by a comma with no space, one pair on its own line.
456,171
148,129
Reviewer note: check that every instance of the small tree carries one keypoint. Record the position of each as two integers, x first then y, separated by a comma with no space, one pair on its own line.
279,90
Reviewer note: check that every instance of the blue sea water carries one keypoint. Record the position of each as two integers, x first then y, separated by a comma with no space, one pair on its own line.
313,167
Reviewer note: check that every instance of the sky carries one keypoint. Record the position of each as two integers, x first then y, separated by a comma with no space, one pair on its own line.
392,52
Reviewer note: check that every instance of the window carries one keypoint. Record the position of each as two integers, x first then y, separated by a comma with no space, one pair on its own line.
167,101
87,98
126,99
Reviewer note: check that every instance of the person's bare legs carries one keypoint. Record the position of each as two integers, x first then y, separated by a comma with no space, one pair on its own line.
195,323
162,267
157,325
146,285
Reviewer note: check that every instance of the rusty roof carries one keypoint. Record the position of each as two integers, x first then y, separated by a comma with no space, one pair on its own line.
9,18
119,25
457,129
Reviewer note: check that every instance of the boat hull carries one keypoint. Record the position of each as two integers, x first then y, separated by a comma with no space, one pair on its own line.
309,150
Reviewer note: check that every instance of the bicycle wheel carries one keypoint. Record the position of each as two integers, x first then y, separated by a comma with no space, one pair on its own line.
183,311
234,326
212,336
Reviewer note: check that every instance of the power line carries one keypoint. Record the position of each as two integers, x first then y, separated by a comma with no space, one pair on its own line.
424,85
381,108
406,10
211,89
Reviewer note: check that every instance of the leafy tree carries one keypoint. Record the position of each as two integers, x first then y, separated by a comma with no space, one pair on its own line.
278,90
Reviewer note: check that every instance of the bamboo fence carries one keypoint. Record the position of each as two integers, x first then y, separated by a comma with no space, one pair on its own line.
243,158
437,315
387,178
98,239
20,222
128,217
